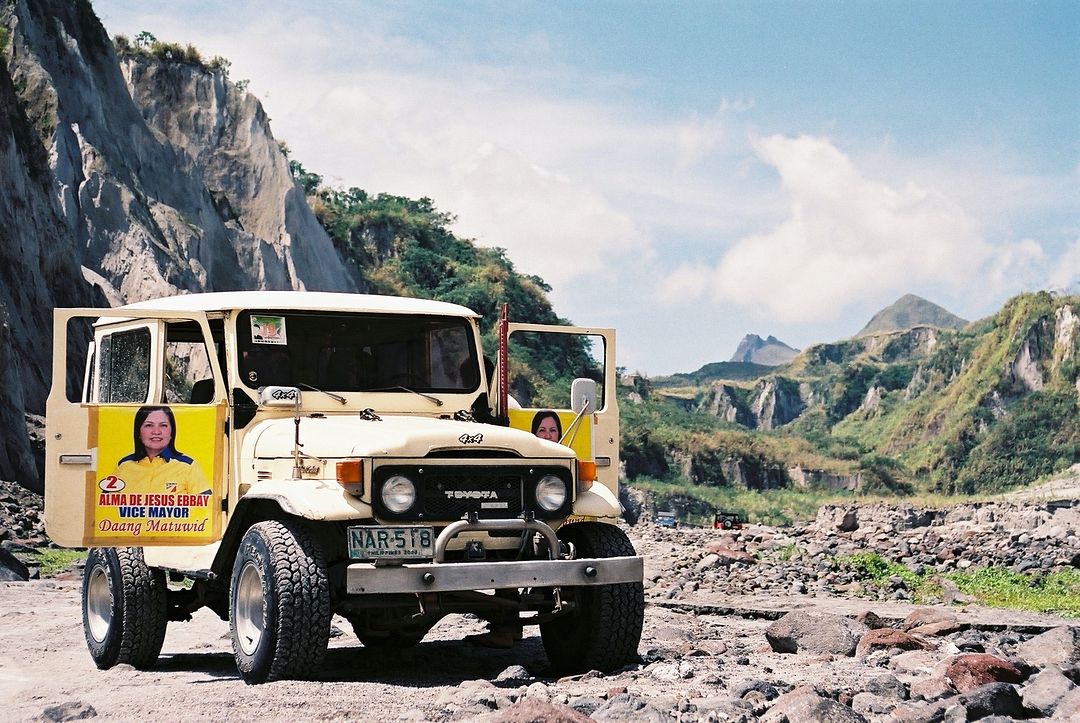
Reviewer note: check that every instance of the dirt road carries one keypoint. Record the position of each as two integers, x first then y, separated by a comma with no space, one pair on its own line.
689,654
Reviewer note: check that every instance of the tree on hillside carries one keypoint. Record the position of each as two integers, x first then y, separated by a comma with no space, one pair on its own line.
405,246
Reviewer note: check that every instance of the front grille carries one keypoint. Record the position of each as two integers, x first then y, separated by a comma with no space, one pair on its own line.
452,492
450,495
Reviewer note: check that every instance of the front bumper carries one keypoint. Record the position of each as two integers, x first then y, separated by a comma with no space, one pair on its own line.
363,578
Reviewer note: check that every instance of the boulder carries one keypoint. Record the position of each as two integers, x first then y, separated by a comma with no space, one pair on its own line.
629,707
807,705
887,639
1057,646
993,699
920,617
974,670
1068,708
798,632
528,710
12,569
1045,689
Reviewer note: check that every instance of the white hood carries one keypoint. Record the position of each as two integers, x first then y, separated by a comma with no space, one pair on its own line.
394,436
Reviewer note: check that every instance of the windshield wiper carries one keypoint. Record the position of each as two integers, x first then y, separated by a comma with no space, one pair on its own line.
438,402
336,397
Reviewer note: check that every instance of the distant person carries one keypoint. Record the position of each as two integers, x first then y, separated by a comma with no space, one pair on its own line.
157,466
546,425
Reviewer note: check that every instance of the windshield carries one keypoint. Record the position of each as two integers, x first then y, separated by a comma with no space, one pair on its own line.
357,352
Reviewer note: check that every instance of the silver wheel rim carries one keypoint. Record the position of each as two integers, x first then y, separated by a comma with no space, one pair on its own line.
248,609
99,603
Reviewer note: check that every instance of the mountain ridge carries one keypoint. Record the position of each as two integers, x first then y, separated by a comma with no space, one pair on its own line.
768,352
908,312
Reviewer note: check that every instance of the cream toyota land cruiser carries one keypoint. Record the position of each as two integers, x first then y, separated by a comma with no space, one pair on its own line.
280,457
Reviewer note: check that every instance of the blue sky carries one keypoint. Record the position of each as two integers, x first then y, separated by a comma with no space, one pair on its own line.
691,172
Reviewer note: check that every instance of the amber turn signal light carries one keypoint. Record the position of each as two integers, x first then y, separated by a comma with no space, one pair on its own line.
350,474
586,471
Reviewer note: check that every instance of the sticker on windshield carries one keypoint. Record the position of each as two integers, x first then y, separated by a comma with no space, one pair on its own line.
268,330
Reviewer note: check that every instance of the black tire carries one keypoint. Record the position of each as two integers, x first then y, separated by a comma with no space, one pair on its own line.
124,608
387,640
279,603
604,630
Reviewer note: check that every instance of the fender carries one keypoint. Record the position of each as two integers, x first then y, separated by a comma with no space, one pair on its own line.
598,501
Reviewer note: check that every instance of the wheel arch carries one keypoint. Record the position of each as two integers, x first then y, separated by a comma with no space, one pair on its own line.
248,511
251,510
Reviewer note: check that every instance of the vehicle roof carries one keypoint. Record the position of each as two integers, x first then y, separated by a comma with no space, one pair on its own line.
300,300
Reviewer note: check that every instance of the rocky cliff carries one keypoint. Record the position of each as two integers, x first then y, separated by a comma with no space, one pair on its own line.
125,179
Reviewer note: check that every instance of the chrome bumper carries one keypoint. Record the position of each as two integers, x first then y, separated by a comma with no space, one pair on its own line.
366,578
363,578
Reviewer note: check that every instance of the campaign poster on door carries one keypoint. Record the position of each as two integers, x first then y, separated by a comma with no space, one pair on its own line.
157,480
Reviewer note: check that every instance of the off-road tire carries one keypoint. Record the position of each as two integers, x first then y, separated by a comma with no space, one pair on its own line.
124,607
279,603
604,630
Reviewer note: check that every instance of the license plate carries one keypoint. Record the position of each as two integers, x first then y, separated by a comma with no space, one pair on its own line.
379,543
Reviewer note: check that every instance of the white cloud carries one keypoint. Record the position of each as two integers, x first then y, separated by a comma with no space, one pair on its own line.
683,283
1065,274
849,238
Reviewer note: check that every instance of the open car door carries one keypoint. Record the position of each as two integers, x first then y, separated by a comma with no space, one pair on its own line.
548,370
105,483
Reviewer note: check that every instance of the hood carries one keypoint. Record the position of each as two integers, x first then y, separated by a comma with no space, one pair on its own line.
393,436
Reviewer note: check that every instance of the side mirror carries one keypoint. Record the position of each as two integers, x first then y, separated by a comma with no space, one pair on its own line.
583,395
279,396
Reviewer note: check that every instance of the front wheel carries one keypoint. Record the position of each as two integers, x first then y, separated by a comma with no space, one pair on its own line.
124,608
279,606
604,629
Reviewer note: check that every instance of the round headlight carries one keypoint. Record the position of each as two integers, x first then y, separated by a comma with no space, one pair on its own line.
398,493
550,492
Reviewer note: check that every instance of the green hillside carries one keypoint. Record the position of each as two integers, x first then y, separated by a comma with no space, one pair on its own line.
980,409
716,371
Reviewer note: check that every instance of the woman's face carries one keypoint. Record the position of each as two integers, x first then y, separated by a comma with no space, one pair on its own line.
548,429
155,433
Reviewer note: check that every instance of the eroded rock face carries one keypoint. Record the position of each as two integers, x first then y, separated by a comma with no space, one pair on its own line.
39,267
775,402
224,140
722,400
123,182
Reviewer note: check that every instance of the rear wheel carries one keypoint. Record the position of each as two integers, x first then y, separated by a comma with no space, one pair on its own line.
124,608
279,611
603,631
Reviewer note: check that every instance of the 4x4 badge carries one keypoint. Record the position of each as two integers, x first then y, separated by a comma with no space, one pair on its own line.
471,438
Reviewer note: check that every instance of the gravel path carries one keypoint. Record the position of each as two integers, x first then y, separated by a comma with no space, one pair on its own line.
720,606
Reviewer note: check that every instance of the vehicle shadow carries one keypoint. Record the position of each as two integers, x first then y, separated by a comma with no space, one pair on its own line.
430,663
434,663
219,664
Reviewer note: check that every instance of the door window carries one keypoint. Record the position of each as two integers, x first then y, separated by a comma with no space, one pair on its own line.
124,366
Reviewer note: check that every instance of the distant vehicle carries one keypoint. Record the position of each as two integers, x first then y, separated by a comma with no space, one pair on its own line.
667,519
728,521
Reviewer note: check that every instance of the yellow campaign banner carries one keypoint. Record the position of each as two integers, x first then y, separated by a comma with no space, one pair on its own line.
157,480
536,421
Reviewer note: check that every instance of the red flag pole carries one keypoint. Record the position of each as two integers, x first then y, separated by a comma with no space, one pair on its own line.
502,410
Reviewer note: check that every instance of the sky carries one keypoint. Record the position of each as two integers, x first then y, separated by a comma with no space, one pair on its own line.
691,172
